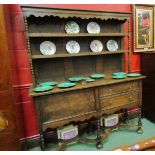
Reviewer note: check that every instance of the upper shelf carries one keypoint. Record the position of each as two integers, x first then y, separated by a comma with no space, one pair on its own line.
70,13
76,35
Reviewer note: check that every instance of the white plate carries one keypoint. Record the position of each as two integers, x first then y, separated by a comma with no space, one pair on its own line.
72,27
96,46
72,47
47,48
112,45
93,27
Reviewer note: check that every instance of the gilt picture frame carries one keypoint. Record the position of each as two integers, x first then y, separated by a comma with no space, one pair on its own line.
143,28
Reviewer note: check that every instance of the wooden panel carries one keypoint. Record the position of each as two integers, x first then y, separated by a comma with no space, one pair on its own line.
5,101
49,70
9,138
9,141
84,66
112,64
119,100
118,88
67,104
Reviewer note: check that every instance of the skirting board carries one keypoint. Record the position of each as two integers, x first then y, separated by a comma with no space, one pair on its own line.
35,141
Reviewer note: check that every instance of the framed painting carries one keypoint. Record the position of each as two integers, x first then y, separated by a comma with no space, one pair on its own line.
143,28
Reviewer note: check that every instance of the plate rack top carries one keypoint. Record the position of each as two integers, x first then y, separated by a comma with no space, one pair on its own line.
70,13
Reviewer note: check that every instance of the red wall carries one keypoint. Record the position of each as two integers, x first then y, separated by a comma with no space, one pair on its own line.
21,74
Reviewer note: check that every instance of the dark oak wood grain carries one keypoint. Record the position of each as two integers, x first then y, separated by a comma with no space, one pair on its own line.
9,138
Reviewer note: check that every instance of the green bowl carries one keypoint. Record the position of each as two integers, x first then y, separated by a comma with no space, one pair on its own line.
119,77
97,76
66,85
119,73
75,79
50,83
42,88
134,75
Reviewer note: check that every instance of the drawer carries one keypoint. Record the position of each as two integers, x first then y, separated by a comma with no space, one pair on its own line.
67,104
119,100
118,88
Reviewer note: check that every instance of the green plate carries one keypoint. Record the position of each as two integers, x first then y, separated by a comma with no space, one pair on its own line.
75,79
97,76
42,88
86,78
51,83
119,77
66,85
90,80
134,75
119,73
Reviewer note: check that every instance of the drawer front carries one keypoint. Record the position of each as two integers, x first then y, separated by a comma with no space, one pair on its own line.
118,88
68,104
119,100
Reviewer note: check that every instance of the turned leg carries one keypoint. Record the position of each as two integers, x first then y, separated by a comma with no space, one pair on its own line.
99,143
42,142
139,129
89,127
126,116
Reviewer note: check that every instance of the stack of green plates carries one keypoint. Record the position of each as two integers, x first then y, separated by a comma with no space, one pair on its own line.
119,75
66,85
97,76
42,88
75,79
134,75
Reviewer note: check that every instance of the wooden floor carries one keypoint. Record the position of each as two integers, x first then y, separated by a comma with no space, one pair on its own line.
145,145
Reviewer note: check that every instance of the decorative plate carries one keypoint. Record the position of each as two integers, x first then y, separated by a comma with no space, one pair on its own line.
93,27
42,88
51,83
66,85
72,47
119,73
47,48
119,76
112,45
96,46
72,27
75,79
97,76
134,75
